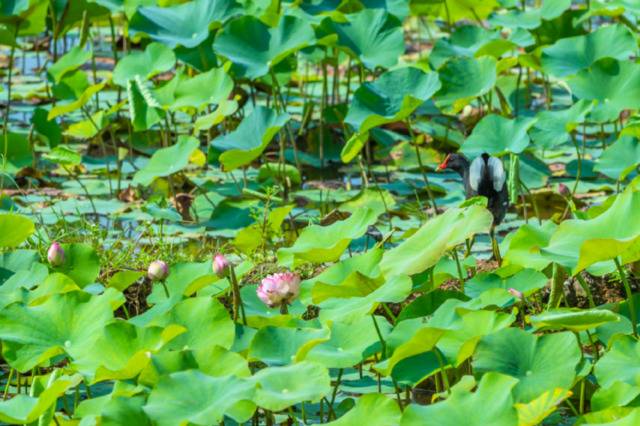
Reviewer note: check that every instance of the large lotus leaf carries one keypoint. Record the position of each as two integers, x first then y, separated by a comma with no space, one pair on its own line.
440,234
613,417
144,109
279,345
454,10
281,387
392,97
579,244
207,322
614,84
254,48
552,127
81,263
490,404
26,409
193,397
621,363
465,328
497,135
463,79
14,229
619,159
570,55
122,350
423,340
465,41
155,59
526,243
211,87
372,35
63,323
573,319
348,342
186,24
540,363
18,152
250,138
532,17
71,61
167,161
534,412
526,281
372,409
320,244
76,104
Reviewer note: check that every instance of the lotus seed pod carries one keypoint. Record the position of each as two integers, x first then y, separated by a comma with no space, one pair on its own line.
55,254
276,289
158,270
220,265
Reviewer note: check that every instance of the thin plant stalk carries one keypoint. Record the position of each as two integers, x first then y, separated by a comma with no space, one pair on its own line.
586,289
238,306
630,302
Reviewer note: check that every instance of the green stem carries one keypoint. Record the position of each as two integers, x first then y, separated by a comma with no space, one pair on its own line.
166,290
382,341
630,302
237,300
445,378
335,390
586,289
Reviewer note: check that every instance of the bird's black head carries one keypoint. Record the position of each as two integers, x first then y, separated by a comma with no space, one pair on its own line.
455,162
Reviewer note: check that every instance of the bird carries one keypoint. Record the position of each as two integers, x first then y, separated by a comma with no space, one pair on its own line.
483,176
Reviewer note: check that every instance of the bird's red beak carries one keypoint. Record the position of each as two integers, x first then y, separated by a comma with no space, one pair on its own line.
444,164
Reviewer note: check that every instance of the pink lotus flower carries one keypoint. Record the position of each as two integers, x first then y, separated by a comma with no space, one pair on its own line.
158,270
55,254
220,265
278,289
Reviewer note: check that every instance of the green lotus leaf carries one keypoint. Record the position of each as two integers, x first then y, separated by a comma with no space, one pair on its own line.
552,127
348,342
63,323
122,350
26,409
594,243
394,96
532,17
279,345
614,84
47,130
539,363
373,409
81,263
570,55
167,161
371,35
121,280
71,61
155,59
185,24
613,417
465,41
250,138
621,363
438,235
526,281
526,243
191,396
18,152
490,404
144,109
573,319
534,412
454,10
238,41
320,244
280,387
78,103
14,229
619,159
423,340
64,155
497,135
211,87
463,79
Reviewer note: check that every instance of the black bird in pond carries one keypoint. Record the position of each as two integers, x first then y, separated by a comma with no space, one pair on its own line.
484,176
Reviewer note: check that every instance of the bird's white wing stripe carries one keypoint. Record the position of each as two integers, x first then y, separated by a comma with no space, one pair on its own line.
496,171
476,170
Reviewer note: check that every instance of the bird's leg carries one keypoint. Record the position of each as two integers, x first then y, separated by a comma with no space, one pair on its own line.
494,245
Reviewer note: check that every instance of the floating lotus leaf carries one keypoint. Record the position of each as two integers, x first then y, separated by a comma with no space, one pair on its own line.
167,161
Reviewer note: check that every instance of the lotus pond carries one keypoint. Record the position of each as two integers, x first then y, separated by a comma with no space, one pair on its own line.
229,212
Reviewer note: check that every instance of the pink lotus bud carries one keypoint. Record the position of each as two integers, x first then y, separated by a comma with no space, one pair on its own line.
55,254
280,288
158,270
515,293
564,190
220,265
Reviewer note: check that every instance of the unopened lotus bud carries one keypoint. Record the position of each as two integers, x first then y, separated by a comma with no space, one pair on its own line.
278,289
158,270
515,293
564,190
55,254
220,265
